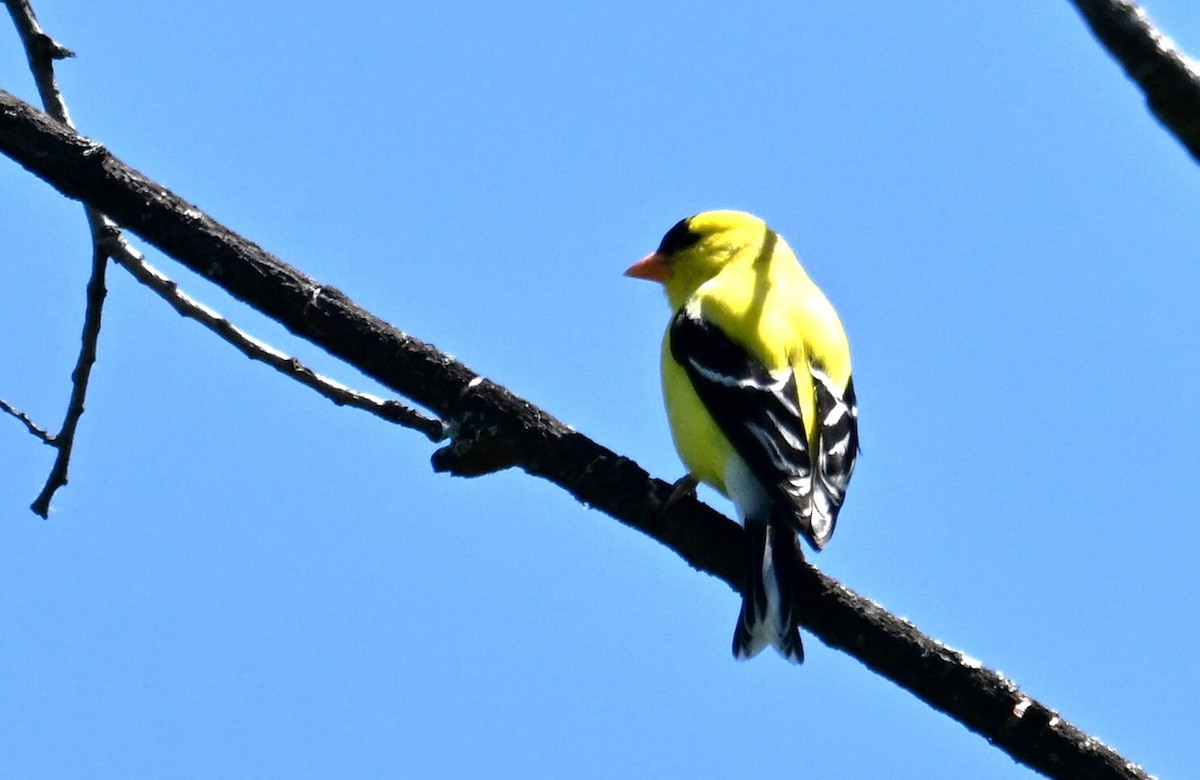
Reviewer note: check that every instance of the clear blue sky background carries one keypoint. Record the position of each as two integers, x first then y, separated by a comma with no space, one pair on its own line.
243,580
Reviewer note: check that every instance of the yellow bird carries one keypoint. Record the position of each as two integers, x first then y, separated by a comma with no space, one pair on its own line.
757,385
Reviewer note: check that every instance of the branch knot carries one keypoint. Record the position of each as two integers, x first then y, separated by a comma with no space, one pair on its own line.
477,444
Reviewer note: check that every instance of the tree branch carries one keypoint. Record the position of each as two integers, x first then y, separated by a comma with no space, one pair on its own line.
30,425
64,442
168,289
491,429
1169,78
41,51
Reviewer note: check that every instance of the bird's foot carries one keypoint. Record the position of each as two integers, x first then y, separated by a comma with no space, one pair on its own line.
685,486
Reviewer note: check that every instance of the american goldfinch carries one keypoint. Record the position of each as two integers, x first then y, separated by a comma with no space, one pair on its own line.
756,381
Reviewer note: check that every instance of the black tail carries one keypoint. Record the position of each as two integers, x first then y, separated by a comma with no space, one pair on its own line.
784,555
769,614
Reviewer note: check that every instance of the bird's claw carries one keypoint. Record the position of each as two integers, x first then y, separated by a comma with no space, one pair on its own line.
685,486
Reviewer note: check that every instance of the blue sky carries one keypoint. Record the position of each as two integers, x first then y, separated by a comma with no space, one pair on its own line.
242,580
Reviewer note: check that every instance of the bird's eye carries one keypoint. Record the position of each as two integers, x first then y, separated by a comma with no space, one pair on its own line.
678,238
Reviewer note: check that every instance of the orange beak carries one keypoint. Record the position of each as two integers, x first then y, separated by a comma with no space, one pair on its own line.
653,267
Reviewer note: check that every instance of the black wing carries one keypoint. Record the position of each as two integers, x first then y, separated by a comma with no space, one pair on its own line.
837,412
759,414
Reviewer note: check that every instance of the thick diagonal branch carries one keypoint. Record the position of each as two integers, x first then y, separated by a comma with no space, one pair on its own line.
492,429
1169,78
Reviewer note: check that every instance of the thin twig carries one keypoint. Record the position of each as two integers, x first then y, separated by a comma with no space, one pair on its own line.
1169,78
65,440
393,411
41,51
33,428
